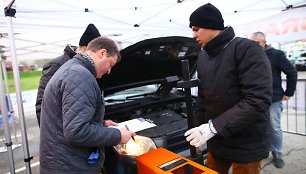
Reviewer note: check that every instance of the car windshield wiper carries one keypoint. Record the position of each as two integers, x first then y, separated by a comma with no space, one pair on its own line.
164,89
131,97
139,95
117,100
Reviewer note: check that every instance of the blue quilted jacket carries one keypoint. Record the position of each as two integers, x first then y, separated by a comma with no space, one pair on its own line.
71,120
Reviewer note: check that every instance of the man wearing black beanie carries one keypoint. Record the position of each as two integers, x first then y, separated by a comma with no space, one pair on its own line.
89,34
51,67
234,96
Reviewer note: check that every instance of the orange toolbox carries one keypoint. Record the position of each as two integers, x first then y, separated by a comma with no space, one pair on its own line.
162,161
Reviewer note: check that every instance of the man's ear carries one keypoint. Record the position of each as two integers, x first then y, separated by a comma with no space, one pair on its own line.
103,51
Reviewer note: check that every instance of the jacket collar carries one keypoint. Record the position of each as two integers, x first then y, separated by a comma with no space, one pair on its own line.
87,64
268,47
218,43
69,50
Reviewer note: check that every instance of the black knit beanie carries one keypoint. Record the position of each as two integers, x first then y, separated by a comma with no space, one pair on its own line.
90,33
207,16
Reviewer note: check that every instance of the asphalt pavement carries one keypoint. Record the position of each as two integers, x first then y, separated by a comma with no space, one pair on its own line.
294,156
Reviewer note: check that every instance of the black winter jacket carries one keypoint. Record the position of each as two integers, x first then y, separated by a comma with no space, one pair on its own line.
280,64
48,70
235,91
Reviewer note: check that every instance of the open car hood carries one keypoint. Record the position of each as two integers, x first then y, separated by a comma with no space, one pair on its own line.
149,62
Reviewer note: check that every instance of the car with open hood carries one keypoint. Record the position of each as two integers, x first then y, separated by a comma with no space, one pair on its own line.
142,92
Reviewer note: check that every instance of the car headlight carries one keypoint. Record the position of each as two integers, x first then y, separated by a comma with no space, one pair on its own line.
138,147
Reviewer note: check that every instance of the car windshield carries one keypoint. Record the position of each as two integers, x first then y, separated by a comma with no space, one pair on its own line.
130,94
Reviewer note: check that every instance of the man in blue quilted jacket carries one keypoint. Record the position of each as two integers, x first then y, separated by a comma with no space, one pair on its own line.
72,136
279,64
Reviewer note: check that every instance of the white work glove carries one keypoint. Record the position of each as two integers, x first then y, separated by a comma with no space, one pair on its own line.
199,135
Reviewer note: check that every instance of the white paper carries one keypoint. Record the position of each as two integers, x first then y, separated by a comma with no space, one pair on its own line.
136,124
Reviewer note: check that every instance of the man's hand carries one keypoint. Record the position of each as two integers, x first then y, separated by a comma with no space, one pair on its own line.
199,135
126,135
110,123
286,98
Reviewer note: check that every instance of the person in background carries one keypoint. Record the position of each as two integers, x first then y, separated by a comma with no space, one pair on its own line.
279,64
51,67
72,137
234,95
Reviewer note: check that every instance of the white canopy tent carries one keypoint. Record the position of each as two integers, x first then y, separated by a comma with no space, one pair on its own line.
285,27
42,28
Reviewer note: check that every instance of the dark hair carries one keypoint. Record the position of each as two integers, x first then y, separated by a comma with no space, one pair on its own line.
104,43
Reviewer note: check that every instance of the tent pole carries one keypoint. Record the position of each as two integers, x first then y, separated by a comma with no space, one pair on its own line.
6,129
11,109
9,13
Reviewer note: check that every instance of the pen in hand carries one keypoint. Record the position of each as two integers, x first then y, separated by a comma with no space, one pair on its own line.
127,128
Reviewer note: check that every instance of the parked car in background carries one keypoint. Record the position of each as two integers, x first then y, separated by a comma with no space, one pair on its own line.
298,59
142,88
291,59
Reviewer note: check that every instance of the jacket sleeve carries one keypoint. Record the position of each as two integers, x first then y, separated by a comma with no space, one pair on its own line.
48,71
255,77
290,71
79,103
199,109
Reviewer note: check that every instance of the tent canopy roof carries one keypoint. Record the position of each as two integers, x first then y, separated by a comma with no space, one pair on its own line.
42,28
